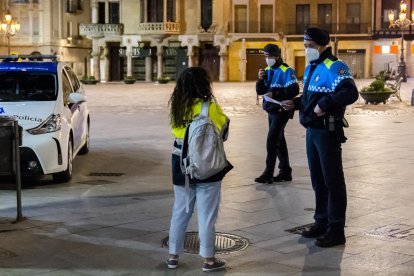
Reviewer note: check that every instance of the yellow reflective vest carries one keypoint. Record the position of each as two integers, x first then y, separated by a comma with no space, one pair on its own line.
216,115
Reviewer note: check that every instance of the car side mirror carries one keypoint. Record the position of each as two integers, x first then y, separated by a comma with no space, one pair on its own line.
76,98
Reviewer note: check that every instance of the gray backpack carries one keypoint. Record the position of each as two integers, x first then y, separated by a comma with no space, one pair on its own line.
202,153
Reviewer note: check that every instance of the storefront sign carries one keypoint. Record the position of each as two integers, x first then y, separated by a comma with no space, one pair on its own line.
137,52
351,51
254,51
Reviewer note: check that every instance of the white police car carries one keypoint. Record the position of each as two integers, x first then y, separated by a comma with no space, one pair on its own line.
49,103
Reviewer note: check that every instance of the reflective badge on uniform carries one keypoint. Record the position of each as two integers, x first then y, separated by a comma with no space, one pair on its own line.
341,71
316,78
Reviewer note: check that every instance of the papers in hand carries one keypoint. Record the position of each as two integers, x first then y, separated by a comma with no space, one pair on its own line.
267,98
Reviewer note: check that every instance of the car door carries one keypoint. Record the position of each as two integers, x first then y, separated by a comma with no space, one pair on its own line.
83,112
76,118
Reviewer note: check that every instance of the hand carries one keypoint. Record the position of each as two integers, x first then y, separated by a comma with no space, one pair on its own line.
288,104
261,74
318,111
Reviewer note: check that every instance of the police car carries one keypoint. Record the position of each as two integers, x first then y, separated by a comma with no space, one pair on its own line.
49,103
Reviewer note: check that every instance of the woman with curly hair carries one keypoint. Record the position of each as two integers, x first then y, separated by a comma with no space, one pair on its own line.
193,87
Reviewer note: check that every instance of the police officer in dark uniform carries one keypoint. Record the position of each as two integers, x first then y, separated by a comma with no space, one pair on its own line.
278,82
328,89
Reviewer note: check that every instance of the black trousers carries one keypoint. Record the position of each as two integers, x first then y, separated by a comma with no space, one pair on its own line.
324,153
276,144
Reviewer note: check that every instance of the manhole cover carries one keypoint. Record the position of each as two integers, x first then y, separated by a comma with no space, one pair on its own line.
394,231
299,229
105,174
225,243
5,254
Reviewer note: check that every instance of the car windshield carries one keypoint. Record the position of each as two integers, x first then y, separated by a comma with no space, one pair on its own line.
27,86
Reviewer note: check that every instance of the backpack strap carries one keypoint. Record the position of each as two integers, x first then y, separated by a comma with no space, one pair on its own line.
204,108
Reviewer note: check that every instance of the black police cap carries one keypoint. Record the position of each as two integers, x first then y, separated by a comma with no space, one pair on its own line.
319,36
272,50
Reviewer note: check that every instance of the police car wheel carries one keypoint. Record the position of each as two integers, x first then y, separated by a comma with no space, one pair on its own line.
66,175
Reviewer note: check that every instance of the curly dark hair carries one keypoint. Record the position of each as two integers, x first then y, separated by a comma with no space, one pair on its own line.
193,83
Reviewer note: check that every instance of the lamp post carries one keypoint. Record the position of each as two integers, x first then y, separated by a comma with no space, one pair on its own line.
402,22
9,27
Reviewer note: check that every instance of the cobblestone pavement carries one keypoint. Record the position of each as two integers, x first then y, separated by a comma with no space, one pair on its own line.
114,225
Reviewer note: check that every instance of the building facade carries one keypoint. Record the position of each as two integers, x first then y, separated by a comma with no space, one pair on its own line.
148,39
49,27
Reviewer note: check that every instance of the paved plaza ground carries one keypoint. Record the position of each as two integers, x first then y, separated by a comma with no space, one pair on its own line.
114,225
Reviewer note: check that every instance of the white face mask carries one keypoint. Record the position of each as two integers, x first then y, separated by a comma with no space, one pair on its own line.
311,54
270,61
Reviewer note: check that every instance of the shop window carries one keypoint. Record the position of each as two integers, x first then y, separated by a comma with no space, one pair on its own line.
171,11
113,13
71,6
206,14
325,16
266,18
353,18
240,18
302,18
155,10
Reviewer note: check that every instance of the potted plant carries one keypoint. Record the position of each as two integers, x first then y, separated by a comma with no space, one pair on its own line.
376,92
89,80
163,79
129,80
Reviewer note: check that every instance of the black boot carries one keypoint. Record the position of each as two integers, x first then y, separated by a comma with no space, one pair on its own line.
282,177
264,179
315,231
330,239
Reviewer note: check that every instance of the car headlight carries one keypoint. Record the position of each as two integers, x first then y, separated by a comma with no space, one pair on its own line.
51,124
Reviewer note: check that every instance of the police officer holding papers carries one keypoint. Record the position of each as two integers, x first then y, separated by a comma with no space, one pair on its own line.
328,89
277,82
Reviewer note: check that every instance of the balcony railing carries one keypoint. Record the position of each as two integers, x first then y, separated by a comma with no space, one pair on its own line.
394,33
298,29
362,28
159,28
101,30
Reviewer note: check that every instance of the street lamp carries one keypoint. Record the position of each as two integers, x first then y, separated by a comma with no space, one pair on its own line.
402,22
9,27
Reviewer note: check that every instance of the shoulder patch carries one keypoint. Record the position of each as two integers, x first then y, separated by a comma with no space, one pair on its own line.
342,71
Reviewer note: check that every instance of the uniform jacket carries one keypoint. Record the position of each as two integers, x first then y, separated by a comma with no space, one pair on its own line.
281,80
221,121
327,83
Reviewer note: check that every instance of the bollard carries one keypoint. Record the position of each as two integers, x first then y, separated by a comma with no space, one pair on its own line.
10,140
412,97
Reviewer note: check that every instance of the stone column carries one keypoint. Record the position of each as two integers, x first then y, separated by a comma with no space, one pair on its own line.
105,63
224,72
160,70
223,42
94,6
190,56
189,41
159,42
129,60
96,55
148,68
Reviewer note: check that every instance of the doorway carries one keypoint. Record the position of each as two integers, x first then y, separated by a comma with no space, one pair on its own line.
255,61
115,61
300,63
209,59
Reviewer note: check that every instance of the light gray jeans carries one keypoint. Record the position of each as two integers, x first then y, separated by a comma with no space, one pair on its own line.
207,198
